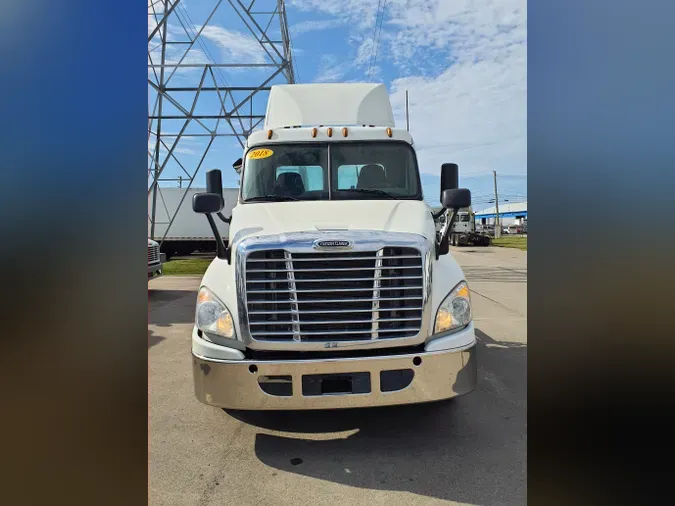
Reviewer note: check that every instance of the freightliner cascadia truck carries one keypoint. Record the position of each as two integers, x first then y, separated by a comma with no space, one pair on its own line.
335,289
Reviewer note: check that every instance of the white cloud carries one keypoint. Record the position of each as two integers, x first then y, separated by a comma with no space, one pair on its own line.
464,63
227,46
235,47
364,52
314,25
182,147
360,13
330,69
174,52
471,114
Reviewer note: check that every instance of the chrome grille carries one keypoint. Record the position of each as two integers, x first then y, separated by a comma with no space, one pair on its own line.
153,254
334,296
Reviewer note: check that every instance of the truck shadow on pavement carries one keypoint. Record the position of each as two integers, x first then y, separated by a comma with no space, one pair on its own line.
154,339
471,449
159,298
168,307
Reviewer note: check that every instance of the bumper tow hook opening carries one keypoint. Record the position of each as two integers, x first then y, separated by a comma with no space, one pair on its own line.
253,368
417,361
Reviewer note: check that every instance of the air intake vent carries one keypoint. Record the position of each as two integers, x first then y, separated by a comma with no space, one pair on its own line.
153,254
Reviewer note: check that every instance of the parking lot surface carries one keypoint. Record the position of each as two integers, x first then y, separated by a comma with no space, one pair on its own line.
469,451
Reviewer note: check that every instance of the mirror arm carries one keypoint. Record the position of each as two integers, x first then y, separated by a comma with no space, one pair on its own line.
439,214
220,247
449,221
226,220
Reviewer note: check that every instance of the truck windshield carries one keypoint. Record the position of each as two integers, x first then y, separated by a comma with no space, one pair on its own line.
355,170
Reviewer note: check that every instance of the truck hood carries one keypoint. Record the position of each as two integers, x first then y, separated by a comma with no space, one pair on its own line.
270,218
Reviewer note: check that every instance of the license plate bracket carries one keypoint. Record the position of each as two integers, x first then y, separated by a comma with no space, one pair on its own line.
336,384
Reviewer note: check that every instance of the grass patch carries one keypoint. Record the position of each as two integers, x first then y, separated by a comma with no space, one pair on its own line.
186,267
511,242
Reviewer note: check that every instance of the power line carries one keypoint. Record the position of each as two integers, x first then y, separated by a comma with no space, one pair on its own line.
379,18
206,50
294,65
505,195
210,57
501,199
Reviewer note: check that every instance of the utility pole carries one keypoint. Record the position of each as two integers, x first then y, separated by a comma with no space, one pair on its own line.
407,117
498,228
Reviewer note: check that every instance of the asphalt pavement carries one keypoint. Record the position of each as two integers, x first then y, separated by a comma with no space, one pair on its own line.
469,451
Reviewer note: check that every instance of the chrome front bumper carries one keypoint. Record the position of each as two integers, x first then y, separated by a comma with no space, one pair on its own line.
154,270
235,384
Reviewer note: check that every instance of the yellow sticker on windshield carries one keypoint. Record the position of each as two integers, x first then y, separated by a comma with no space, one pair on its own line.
257,154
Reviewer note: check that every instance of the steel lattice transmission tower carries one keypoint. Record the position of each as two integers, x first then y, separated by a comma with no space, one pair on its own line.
207,82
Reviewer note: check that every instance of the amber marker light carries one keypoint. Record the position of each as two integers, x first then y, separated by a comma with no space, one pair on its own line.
203,296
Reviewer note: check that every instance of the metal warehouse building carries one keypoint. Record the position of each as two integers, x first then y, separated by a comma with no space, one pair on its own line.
509,214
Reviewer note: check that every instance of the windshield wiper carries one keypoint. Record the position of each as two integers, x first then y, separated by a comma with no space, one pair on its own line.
370,190
263,198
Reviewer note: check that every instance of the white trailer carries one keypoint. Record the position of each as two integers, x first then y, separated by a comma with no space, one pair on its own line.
189,232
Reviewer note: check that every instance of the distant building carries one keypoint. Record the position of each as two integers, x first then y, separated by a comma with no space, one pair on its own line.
509,214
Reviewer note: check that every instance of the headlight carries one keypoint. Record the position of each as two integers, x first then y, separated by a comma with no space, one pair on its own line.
455,310
212,316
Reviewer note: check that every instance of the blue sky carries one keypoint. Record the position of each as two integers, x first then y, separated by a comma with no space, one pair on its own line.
463,62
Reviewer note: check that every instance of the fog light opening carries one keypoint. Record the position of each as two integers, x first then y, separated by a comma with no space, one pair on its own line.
253,368
417,361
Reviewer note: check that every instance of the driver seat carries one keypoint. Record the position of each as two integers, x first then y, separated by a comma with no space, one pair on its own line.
289,184
372,176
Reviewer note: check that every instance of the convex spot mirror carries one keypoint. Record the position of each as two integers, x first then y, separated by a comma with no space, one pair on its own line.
237,165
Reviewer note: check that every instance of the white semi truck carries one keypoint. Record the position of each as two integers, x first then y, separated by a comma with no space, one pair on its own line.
188,232
335,290
463,232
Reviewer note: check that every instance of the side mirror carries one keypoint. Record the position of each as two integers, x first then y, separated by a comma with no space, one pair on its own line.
237,165
456,199
449,177
207,203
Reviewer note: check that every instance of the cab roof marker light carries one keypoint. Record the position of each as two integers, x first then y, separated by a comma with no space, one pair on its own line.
330,132
344,132
314,132
389,133
269,134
